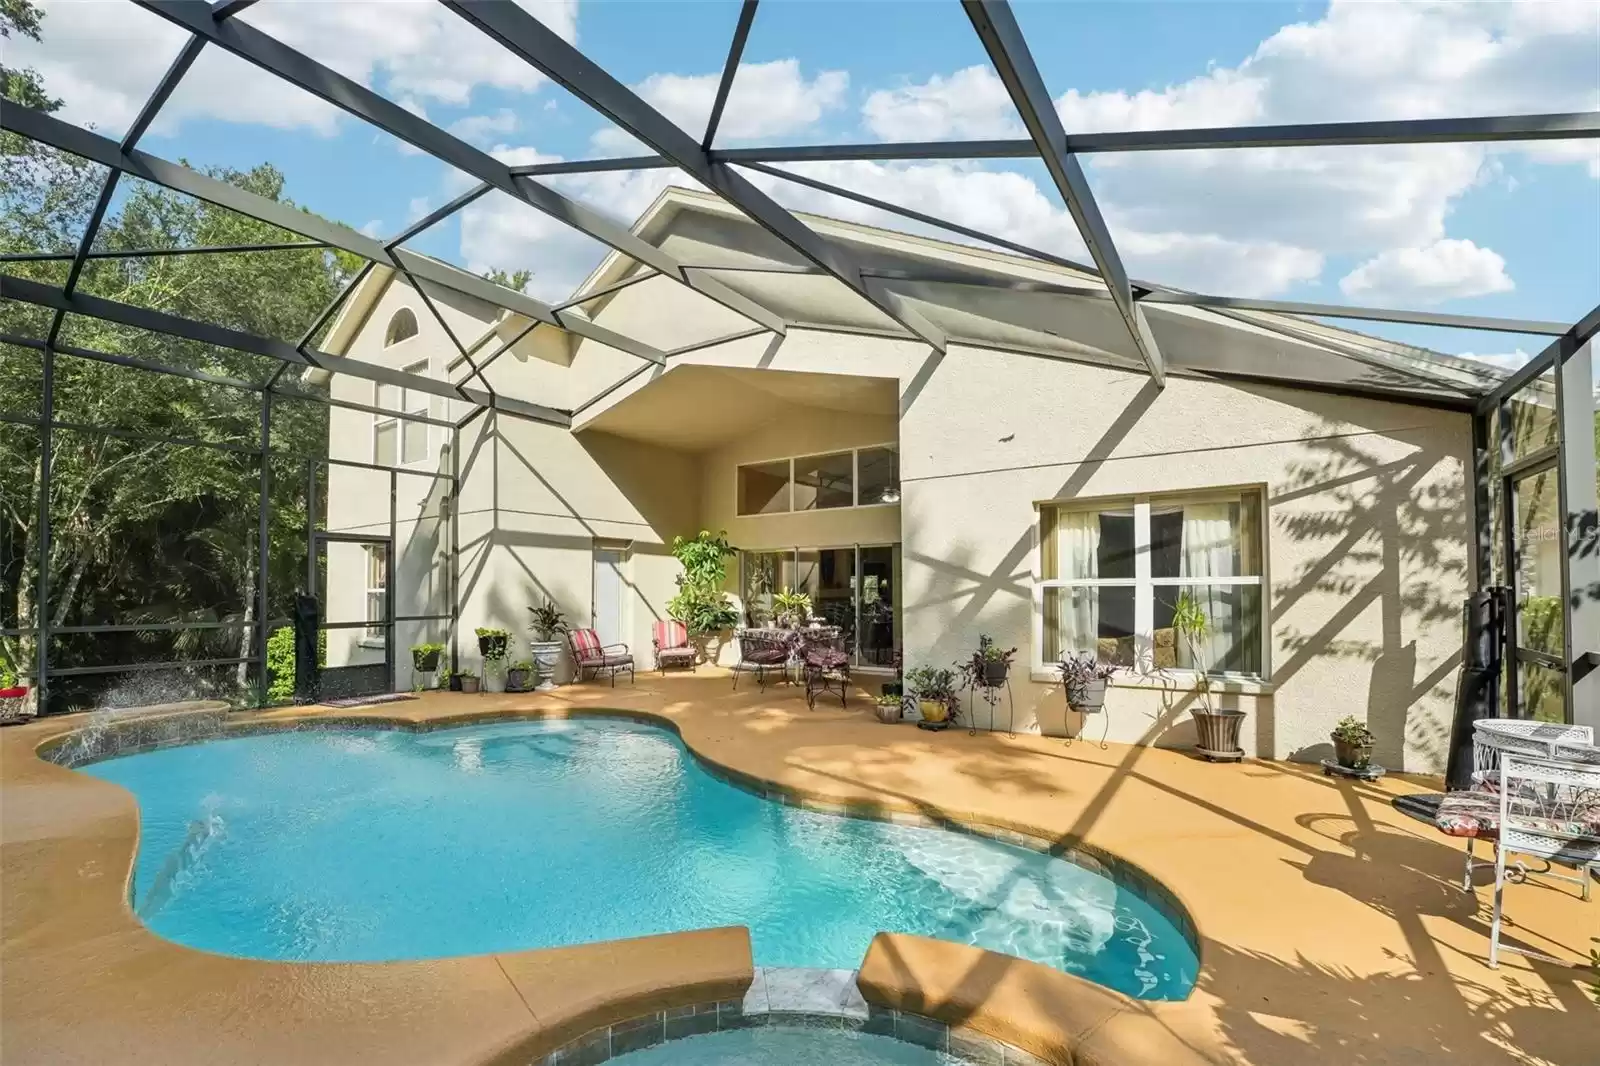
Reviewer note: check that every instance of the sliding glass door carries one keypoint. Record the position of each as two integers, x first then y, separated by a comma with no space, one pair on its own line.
852,587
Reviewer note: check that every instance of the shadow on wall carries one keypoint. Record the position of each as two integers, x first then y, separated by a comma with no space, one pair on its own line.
1389,535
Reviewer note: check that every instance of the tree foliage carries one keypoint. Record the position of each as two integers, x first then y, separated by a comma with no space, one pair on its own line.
143,532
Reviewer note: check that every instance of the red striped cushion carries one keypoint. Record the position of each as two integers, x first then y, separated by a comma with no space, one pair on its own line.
670,634
586,643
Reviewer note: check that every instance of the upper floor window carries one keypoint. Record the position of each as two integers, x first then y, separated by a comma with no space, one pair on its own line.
401,327
855,477
1112,573
398,440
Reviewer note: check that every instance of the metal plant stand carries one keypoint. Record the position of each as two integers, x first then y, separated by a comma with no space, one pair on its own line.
1104,733
991,694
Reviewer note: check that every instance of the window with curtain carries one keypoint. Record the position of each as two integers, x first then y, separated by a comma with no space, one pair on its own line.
1113,572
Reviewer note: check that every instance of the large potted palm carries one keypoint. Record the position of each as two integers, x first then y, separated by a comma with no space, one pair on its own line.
544,650
1217,729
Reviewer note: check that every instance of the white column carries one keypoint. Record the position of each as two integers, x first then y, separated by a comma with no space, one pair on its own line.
1580,532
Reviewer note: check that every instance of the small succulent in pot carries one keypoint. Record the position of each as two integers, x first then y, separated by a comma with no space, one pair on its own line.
887,708
1084,677
1352,743
935,691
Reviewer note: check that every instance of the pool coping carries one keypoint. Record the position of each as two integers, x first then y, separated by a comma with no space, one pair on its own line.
155,732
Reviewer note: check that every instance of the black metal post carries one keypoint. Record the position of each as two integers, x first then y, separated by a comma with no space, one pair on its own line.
262,535
311,527
47,416
1508,560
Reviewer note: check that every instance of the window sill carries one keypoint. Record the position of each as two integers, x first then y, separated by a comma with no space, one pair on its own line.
1171,681
373,645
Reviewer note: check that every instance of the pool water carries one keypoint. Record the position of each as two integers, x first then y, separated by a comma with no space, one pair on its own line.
370,845
788,1046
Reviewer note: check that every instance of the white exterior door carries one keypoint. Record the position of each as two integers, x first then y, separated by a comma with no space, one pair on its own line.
608,590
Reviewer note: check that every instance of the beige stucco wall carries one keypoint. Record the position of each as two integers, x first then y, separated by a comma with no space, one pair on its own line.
1366,539
1366,520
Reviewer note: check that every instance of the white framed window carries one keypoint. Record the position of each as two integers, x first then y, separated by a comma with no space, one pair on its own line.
398,441
850,477
402,327
1112,572
377,591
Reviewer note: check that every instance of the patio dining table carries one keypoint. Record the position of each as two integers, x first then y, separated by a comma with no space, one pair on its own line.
794,639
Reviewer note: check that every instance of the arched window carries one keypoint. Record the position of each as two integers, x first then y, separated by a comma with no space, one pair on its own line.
401,326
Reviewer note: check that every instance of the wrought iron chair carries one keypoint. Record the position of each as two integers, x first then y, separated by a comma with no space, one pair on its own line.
760,653
825,659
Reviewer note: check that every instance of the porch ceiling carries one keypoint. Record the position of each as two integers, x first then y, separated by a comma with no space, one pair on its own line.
696,408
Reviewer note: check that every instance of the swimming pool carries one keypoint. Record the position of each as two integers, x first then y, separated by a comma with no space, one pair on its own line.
371,845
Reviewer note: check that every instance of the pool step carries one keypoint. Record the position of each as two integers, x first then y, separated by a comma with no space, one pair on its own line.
202,833
796,990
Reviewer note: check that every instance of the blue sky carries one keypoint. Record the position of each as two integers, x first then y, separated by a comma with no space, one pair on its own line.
1511,231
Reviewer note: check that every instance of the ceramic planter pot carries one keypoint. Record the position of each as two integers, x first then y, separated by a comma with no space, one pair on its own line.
1351,755
888,714
468,684
425,664
517,680
1218,733
1092,700
546,655
933,710
994,673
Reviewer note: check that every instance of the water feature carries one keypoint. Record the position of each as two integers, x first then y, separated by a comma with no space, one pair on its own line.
366,845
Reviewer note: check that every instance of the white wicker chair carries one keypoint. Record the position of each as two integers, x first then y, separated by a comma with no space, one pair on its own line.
1550,810
1492,737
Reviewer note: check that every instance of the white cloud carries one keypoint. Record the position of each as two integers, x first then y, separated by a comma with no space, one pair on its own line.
1503,360
972,103
482,129
103,60
767,100
1443,270
373,229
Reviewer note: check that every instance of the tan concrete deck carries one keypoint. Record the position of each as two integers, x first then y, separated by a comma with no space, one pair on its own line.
1333,928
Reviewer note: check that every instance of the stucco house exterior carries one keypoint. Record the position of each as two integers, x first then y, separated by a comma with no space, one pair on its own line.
1305,484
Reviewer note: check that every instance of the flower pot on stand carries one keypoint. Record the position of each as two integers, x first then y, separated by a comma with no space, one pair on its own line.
995,671
546,656
494,677
1090,698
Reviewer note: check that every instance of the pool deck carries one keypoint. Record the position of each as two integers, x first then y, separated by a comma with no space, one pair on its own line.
1332,928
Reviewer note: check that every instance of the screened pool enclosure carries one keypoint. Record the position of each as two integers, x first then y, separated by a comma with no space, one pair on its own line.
165,502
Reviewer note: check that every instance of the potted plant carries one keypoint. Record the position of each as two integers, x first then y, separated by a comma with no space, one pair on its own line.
700,604
467,680
425,657
493,645
935,692
1352,743
989,665
547,625
887,708
791,609
896,687
1083,679
1217,729
521,676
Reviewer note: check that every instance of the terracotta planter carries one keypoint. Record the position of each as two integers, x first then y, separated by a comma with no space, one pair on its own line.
546,655
1352,756
933,710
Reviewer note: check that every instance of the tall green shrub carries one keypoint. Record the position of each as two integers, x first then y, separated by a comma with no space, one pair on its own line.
280,662
700,603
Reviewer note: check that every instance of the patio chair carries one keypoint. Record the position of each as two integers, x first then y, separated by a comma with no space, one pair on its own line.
589,654
671,640
1474,813
1550,810
826,663
760,653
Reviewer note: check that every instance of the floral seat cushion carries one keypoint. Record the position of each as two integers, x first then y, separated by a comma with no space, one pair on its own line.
1468,814
606,660
766,656
826,658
